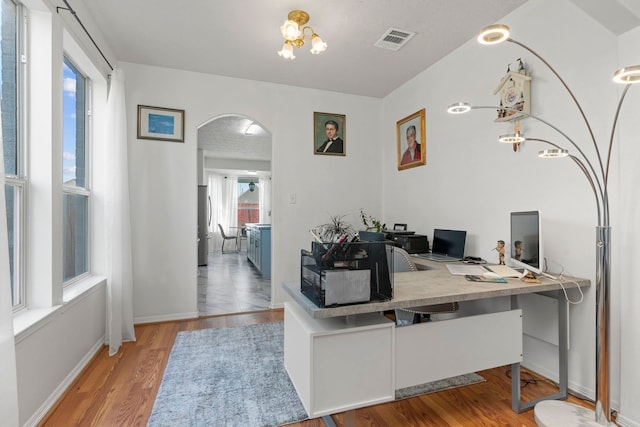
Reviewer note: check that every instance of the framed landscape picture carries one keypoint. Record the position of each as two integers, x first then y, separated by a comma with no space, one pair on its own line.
329,134
164,124
411,141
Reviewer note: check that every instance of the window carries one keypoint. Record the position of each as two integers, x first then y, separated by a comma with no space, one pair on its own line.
12,143
248,201
75,174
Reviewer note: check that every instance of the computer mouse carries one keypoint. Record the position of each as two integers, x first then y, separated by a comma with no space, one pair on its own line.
490,275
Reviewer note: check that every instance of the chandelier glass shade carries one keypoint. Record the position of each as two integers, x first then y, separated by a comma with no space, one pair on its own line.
295,33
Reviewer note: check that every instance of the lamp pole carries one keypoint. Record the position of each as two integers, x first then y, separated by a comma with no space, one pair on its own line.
598,180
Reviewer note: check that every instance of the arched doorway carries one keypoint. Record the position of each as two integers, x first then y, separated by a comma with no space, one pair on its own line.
234,171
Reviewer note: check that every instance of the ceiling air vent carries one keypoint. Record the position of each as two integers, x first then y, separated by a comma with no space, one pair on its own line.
394,39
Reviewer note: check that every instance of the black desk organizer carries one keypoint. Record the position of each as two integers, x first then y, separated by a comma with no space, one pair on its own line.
335,274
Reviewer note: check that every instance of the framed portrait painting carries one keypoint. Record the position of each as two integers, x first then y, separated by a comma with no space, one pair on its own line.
411,140
329,134
164,124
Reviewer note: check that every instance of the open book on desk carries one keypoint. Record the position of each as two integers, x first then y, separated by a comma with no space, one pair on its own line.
504,271
482,270
466,269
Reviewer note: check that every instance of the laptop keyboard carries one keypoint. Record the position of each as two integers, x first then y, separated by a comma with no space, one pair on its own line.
438,257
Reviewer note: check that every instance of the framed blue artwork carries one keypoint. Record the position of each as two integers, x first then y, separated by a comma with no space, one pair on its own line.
165,124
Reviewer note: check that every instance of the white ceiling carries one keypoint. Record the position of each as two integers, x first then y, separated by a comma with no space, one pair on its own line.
225,138
240,38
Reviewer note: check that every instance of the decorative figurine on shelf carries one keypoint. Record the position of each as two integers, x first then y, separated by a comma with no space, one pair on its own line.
500,249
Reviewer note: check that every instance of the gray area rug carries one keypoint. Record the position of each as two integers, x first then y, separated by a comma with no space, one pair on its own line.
440,385
236,377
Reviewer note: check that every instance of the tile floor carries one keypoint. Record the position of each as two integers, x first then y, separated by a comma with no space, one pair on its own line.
229,283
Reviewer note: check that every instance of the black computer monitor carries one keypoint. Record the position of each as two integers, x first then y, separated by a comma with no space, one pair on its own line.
449,242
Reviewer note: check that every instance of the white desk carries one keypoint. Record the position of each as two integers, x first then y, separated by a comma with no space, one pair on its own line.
359,351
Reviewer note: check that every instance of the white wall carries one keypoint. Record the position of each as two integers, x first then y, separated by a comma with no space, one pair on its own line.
164,177
51,354
627,233
472,182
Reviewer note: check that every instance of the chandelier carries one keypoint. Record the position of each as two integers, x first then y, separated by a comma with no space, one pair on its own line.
294,35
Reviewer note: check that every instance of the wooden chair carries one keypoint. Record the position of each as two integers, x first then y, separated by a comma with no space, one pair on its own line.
225,238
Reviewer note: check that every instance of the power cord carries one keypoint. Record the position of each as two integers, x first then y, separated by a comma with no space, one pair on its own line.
524,381
559,278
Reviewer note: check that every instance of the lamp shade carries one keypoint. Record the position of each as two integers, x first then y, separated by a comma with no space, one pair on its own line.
458,108
627,75
290,30
553,153
493,34
511,138
318,45
287,51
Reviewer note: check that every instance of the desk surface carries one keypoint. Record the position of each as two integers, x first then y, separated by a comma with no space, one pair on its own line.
433,286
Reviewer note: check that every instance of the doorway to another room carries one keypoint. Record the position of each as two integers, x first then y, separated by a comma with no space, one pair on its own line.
235,190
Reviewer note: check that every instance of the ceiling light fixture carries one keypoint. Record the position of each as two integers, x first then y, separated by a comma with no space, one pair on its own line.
252,186
252,128
294,35
598,179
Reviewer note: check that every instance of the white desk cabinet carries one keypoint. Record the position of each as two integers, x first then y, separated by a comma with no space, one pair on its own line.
336,366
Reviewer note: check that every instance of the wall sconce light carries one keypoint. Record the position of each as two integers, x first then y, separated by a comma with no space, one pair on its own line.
294,35
252,186
598,179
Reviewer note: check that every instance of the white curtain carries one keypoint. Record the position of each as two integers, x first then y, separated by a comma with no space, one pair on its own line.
8,377
118,220
224,199
265,200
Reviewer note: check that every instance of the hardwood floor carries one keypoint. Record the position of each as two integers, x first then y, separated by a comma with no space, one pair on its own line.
120,390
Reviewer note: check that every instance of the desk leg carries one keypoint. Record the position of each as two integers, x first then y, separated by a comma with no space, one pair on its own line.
563,369
349,419
328,421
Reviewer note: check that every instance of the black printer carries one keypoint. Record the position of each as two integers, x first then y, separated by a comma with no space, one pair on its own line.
408,240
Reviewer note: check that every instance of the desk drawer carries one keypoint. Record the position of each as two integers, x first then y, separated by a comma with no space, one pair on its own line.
442,349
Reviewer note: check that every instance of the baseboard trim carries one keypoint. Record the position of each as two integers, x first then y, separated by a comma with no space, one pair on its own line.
53,398
166,317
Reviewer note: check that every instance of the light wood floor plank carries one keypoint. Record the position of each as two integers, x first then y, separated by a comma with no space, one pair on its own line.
120,390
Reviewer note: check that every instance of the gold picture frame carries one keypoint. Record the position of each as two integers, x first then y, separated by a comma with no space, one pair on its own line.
329,125
413,125
163,124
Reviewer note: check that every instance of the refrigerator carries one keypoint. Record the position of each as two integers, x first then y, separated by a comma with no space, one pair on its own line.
204,220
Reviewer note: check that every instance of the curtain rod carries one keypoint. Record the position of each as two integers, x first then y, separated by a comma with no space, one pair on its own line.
73,12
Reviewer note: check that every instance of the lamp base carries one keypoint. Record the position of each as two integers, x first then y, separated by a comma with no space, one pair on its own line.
555,413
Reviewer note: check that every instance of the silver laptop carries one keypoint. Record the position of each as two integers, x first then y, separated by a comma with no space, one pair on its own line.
448,246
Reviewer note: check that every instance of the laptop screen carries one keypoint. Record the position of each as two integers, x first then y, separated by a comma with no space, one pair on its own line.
449,242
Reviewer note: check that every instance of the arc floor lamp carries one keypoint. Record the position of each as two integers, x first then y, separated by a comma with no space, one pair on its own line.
597,173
